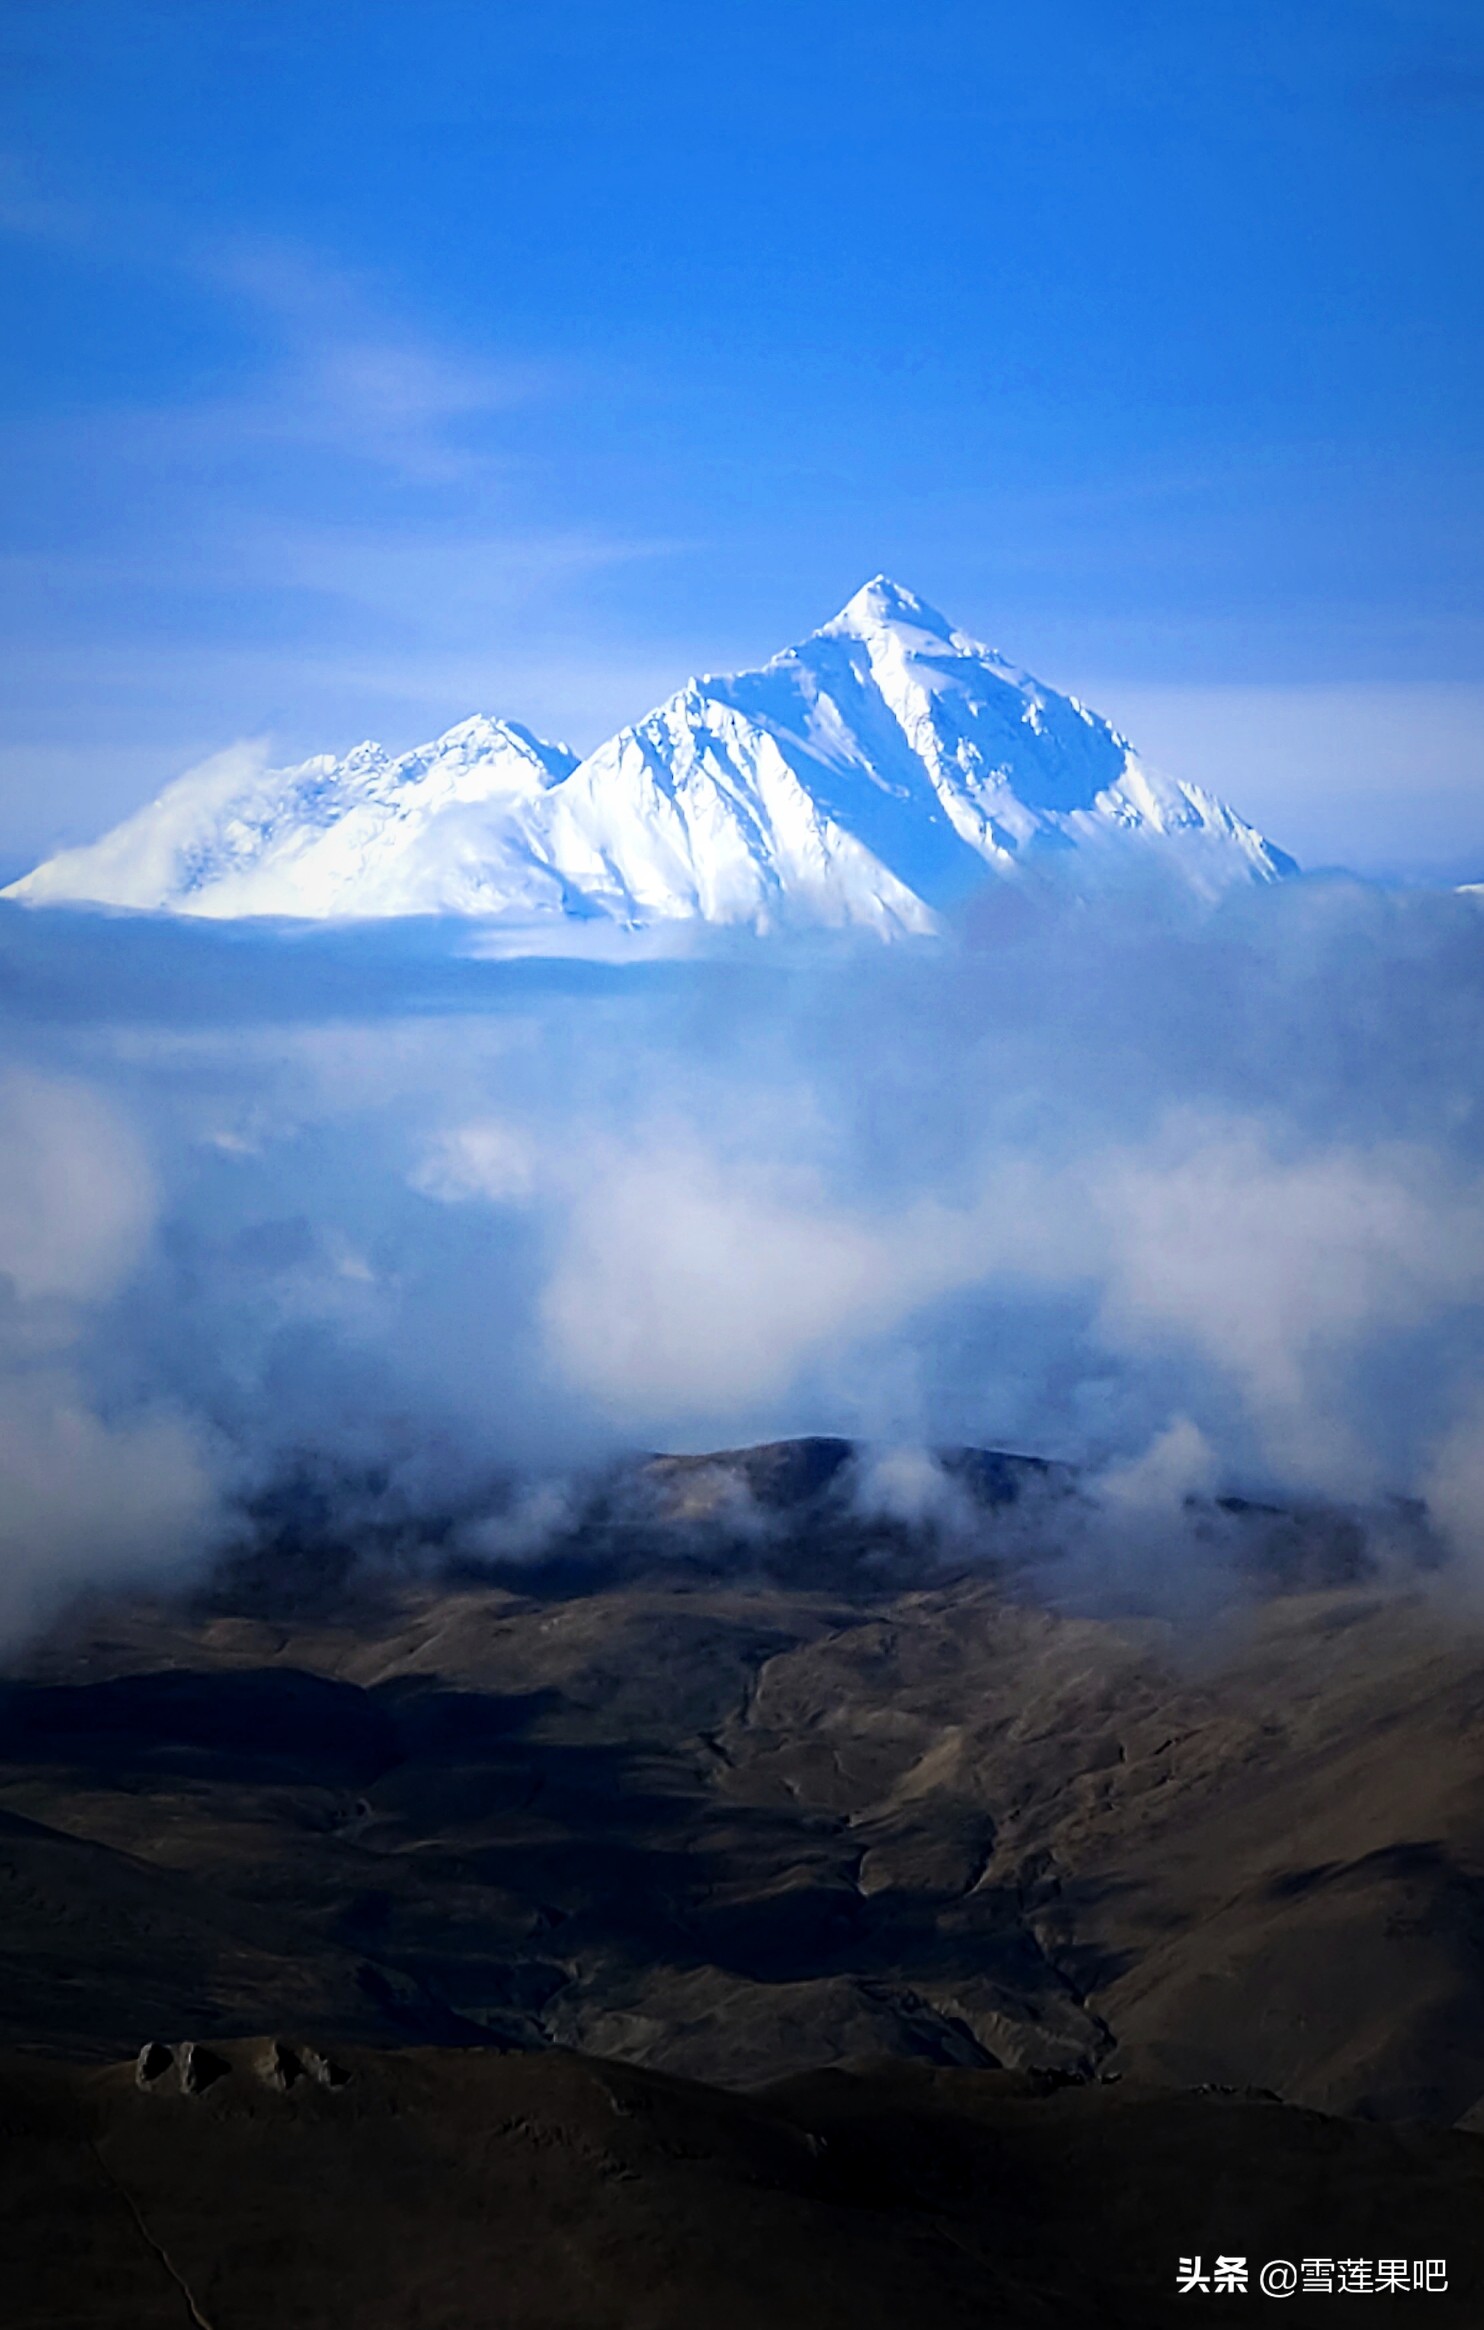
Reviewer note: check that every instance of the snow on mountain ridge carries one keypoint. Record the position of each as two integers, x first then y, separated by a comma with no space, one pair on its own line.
870,776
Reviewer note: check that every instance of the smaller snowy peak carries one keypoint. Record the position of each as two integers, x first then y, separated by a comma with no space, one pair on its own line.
329,835
508,752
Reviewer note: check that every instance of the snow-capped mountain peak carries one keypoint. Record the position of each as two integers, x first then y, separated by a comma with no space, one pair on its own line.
872,775
883,605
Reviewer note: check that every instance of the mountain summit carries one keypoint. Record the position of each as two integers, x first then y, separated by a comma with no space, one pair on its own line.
871,777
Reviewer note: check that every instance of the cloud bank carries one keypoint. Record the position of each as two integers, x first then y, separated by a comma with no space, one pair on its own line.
1195,1203
87,1493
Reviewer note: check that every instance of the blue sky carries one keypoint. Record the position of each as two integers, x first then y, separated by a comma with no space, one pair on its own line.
369,364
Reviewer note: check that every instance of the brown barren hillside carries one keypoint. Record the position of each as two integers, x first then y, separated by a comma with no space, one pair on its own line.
827,1801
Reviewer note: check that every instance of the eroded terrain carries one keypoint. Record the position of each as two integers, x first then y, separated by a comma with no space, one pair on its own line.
739,1817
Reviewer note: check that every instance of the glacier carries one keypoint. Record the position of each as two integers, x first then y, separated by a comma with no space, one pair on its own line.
872,777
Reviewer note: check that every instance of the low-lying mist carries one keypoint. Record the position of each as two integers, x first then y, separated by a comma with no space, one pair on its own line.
1192,1202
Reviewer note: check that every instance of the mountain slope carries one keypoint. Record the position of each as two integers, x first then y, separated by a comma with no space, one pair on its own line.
431,2188
870,777
739,1782
430,832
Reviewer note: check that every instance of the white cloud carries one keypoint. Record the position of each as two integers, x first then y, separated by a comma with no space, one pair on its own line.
1279,1269
1153,1485
85,1500
77,1196
489,1160
692,1283
1195,1209
84,1496
1453,1485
